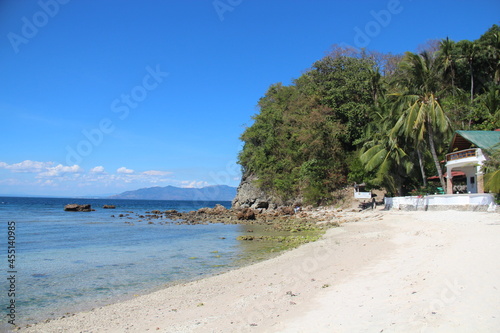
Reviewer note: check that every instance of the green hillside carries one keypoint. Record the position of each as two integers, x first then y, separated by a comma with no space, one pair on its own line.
364,116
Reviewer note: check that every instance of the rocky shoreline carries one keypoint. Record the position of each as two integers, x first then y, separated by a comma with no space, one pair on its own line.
283,226
289,226
277,215
220,214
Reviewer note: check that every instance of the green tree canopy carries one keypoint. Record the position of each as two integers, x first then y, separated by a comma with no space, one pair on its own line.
300,140
385,119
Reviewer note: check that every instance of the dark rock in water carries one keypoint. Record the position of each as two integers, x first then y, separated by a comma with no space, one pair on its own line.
109,206
247,238
172,214
246,214
217,210
77,208
39,275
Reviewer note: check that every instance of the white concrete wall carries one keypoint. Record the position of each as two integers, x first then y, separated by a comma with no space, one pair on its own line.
485,202
470,172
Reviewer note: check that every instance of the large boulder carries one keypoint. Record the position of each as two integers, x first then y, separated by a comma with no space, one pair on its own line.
78,208
217,210
250,196
246,214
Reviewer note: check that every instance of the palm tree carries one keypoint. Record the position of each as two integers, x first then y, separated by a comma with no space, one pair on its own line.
376,84
493,181
492,170
469,54
491,101
385,153
390,161
447,59
422,116
493,52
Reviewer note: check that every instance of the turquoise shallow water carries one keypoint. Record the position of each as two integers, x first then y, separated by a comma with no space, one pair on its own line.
71,261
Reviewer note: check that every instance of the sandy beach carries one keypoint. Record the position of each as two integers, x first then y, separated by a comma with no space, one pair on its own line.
386,271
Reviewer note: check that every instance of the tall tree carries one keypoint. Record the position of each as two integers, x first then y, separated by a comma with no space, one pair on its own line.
376,84
343,83
422,116
489,45
469,55
490,100
492,170
447,59
384,151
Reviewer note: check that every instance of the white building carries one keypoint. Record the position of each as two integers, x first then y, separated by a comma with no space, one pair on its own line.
467,154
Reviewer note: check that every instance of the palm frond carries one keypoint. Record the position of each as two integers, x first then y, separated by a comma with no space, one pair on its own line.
492,181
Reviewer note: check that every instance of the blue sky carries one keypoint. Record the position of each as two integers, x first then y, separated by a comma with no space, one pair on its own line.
99,97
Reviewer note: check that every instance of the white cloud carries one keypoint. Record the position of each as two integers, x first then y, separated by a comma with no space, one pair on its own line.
43,169
156,173
97,169
27,166
54,178
59,170
194,184
124,170
48,182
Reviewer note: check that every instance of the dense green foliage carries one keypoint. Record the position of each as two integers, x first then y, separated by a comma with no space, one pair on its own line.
382,119
300,140
492,170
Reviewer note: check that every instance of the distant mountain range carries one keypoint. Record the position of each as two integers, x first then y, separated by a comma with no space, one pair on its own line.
208,193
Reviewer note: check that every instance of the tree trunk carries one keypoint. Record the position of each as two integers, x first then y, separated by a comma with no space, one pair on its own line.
435,158
422,170
452,80
471,82
471,89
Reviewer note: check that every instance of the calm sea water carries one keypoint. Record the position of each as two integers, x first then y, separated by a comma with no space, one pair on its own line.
71,261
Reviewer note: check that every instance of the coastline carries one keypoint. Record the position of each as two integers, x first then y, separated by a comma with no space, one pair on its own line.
109,256
389,270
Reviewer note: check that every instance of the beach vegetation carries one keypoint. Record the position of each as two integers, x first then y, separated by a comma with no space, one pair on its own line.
382,119
491,168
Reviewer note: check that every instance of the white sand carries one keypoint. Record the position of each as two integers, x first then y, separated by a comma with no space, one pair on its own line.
388,272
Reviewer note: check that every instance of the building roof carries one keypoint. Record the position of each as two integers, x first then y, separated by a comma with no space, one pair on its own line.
454,174
481,139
